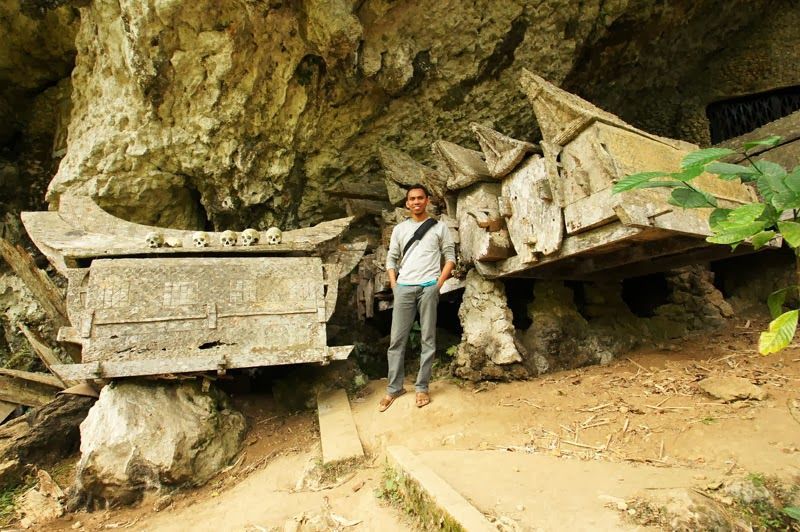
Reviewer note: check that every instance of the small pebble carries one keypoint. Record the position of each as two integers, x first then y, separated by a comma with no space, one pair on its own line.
520,507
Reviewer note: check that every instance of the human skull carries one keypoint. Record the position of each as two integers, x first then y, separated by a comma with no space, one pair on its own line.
154,239
200,239
250,237
228,238
274,235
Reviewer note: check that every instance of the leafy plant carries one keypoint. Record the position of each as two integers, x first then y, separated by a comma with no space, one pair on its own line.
778,214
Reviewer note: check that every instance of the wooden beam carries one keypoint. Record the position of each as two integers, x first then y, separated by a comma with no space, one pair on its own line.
44,290
6,409
26,388
46,355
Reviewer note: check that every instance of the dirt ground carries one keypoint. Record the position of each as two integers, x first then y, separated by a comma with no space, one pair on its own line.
644,410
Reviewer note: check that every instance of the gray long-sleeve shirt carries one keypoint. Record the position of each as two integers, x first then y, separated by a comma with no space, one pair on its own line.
423,261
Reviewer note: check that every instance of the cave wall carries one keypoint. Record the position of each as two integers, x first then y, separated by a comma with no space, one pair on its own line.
233,113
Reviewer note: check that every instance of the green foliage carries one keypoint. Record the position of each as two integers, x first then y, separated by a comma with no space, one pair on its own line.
793,512
755,223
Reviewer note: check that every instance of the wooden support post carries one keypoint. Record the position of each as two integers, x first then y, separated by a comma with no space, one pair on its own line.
46,354
47,294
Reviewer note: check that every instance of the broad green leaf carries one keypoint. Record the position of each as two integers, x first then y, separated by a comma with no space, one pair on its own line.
691,199
780,333
790,232
717,216
759,240
702,157
736,234
729,171
769,186
786,200
769,168
769,141
792,181
688,173
776,300
660,184
635,181
746,213
793,512
770,215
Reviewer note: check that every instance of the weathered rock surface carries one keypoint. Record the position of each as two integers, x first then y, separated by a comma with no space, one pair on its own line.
731,389
142,435
250,113
42,437
487,349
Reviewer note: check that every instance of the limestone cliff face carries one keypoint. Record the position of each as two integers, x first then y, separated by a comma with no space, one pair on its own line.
250,113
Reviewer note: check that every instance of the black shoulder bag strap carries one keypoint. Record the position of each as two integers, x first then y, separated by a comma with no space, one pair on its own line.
418,234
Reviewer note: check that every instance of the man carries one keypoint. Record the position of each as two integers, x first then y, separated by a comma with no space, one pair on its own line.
416,276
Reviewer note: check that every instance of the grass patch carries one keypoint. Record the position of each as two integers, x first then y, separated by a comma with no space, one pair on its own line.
8,501
775,514
404,493
331,473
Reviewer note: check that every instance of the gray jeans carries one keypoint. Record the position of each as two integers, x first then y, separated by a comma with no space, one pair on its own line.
407,300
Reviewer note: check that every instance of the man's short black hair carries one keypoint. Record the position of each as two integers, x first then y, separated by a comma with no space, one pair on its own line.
417,186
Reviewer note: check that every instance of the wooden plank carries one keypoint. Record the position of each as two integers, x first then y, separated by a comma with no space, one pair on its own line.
45,379
41,286
177,361
337,428
535,224
466,166
46,355
502,153
25,391
6,409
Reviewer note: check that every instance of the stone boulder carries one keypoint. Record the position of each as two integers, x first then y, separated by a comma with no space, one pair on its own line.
144,435
731,389
487,348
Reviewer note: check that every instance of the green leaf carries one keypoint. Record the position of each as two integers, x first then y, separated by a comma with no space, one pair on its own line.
746,213
786,200
769,168
793,512
780,334
660,184
777,298
717,217
688,173
760,240
769,187
736,234
691,199
792,181
702,157
790,232
635,181
769,142
729,171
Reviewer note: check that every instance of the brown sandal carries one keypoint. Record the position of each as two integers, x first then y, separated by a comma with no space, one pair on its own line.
423,398
388,399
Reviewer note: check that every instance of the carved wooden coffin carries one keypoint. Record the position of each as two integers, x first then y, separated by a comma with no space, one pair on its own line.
139,309
170,315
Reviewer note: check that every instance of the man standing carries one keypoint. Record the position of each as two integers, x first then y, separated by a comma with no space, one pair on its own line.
414,265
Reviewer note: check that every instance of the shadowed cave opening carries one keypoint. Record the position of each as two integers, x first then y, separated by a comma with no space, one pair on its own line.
644,294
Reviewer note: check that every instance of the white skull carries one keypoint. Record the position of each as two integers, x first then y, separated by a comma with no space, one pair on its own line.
228,238
250,237
274,235
154,239
200,239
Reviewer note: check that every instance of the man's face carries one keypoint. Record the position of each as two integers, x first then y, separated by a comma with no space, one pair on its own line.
416,201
